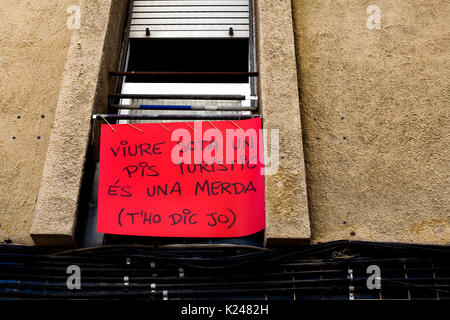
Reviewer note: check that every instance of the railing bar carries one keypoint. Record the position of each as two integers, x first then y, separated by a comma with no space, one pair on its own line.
178,96
175,116
181,73
182,107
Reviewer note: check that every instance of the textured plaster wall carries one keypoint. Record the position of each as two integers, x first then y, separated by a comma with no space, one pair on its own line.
33,46
94,50
375,112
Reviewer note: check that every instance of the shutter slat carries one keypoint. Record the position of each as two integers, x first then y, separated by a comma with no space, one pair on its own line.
200,27
173,15
192,9
226,21
192,3
188,34
190,19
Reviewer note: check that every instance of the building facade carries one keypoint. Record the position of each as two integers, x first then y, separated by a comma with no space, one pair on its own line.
358,90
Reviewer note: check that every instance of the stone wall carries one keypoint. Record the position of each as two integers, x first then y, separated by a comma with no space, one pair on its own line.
33,46
375,112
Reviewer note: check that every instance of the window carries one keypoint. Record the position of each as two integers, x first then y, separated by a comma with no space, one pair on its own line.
196,53
203,36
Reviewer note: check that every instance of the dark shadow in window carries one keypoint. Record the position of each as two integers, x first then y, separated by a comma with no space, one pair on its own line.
191,55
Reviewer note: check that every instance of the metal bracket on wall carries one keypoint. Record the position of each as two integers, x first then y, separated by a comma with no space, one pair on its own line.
351,288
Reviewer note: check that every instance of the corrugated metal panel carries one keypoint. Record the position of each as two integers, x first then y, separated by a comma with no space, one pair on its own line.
230,89
183,102
327,271
190,19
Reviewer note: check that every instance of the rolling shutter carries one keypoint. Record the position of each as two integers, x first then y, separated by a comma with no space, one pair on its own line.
190,19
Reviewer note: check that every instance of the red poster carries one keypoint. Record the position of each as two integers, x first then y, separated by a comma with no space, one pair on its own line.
182,179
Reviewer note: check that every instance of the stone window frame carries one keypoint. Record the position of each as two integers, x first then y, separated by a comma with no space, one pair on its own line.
94,51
